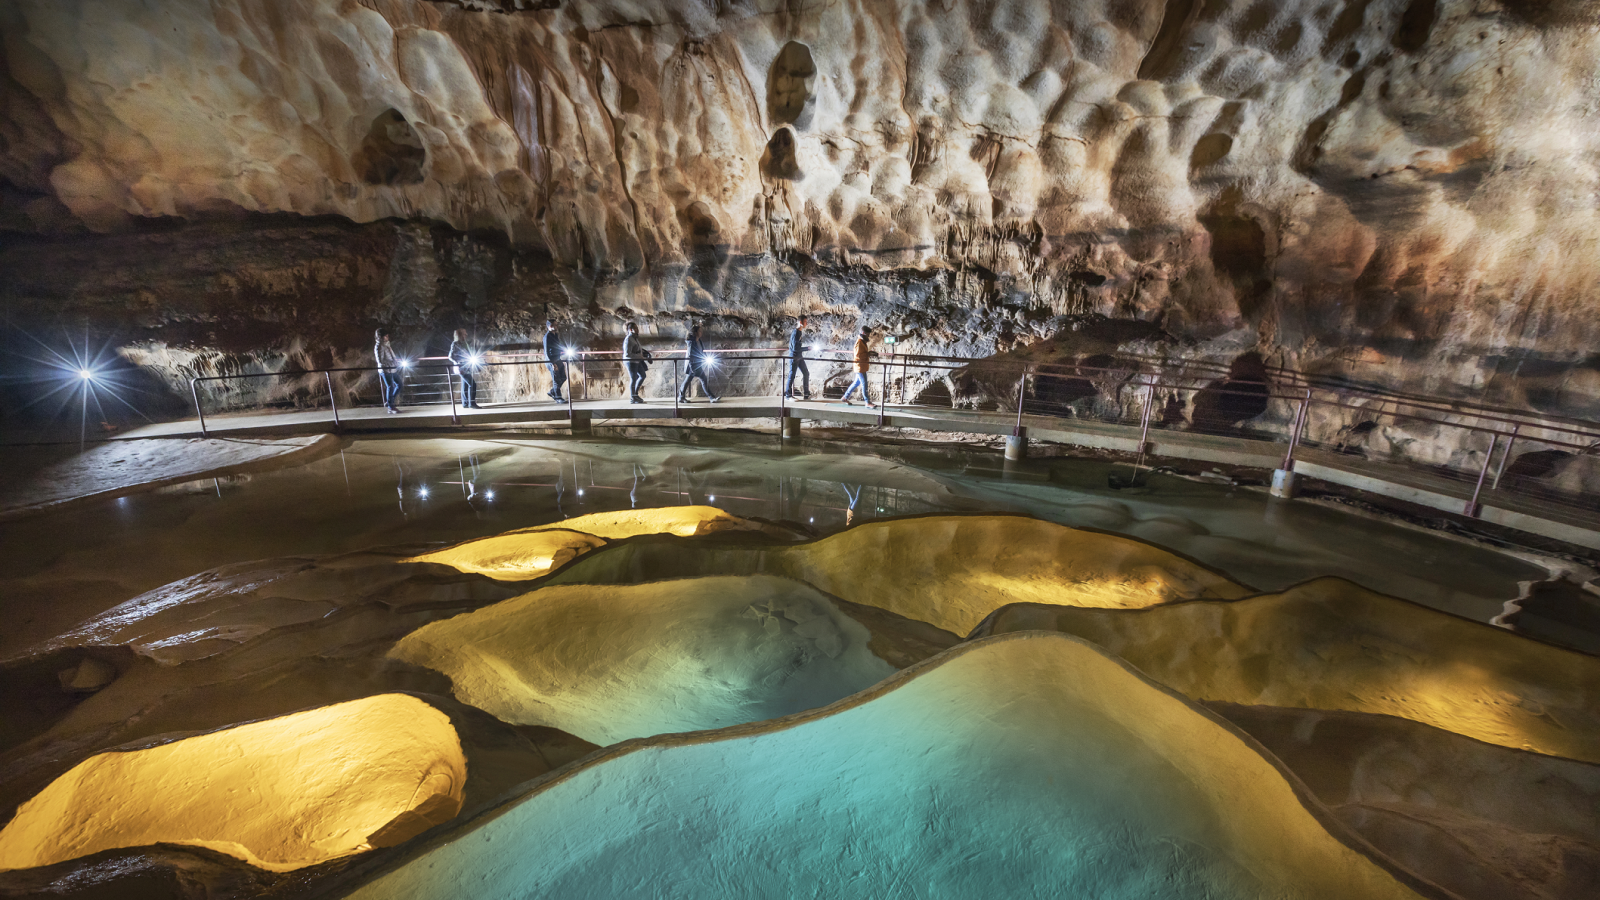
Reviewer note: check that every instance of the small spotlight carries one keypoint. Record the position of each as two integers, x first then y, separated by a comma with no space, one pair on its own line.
813,518
488,495
712,498
580,492
711,362
474,360
422,492
568,353
85,374
405,363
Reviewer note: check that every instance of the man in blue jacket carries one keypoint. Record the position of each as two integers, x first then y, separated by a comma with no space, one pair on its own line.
553,356
797,360
466,363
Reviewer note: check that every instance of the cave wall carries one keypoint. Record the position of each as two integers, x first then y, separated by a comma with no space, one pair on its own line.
1402,192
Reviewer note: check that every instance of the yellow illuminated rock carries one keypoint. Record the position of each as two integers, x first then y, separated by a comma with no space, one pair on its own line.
517,555
528,553
1329,644
683,521
993,769
948,571
280,794
611,662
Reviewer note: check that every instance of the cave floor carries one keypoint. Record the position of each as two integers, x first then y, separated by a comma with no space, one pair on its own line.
393,490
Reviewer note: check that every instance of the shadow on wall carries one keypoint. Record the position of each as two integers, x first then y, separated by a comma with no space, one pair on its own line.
1223,405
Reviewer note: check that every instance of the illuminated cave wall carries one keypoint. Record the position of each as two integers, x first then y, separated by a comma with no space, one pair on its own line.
1397,191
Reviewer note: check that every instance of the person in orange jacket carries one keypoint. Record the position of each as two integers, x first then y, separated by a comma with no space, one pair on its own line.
863,354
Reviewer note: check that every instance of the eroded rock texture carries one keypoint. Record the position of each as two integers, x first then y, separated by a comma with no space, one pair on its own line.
1400,191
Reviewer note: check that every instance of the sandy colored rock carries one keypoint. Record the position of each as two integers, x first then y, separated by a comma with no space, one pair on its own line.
515,556
947,571
611,662
281,794
1394,190
1146,796
1330,645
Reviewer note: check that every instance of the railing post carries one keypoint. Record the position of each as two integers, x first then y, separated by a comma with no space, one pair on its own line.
1473,508
783,391
1022,389
194,388
1506,458
450,384
334,404
1144,426
677,389
583,369
1294,431
883,391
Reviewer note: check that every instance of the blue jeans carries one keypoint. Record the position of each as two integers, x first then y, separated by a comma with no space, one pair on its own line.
798,364
860,382
469,387
558,376
688,379
391,383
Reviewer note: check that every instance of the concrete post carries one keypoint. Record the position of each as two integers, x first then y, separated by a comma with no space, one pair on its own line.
791,427
1017,445
1283,483
581,421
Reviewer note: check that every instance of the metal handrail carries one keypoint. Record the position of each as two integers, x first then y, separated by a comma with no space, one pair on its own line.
1140,380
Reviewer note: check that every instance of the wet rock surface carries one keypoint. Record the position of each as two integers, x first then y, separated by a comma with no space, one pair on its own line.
1357,190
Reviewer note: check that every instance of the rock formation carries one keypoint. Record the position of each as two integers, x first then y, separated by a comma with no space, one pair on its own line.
1395,191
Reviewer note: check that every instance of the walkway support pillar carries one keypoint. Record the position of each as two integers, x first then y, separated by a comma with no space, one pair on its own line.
1283,484
791,427
582,422
1017,444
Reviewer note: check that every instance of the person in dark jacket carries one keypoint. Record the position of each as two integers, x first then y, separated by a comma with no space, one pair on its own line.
638,360
863,355
466,363
388,369
797,360
699,362
553,354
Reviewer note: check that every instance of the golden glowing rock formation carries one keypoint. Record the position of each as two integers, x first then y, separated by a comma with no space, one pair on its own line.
516,555
280,794
948,571
528,553
1329,644
998,767
683,521
613,662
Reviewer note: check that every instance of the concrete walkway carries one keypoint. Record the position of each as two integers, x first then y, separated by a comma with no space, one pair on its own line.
1414,485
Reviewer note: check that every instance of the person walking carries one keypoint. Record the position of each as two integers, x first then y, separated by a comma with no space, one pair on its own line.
388,369
466,363
699,361
638,360
553,357
863,354
797,360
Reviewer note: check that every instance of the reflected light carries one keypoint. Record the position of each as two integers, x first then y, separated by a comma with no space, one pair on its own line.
422,492
488,495
580,492
712,498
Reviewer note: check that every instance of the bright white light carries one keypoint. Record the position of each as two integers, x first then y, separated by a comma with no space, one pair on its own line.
712,498
85,374
474,360
488,495
812,348
405,363
568,353
580,492
813,518
422,492
711,362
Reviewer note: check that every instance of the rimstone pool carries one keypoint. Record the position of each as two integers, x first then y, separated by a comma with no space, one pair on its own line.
629,667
